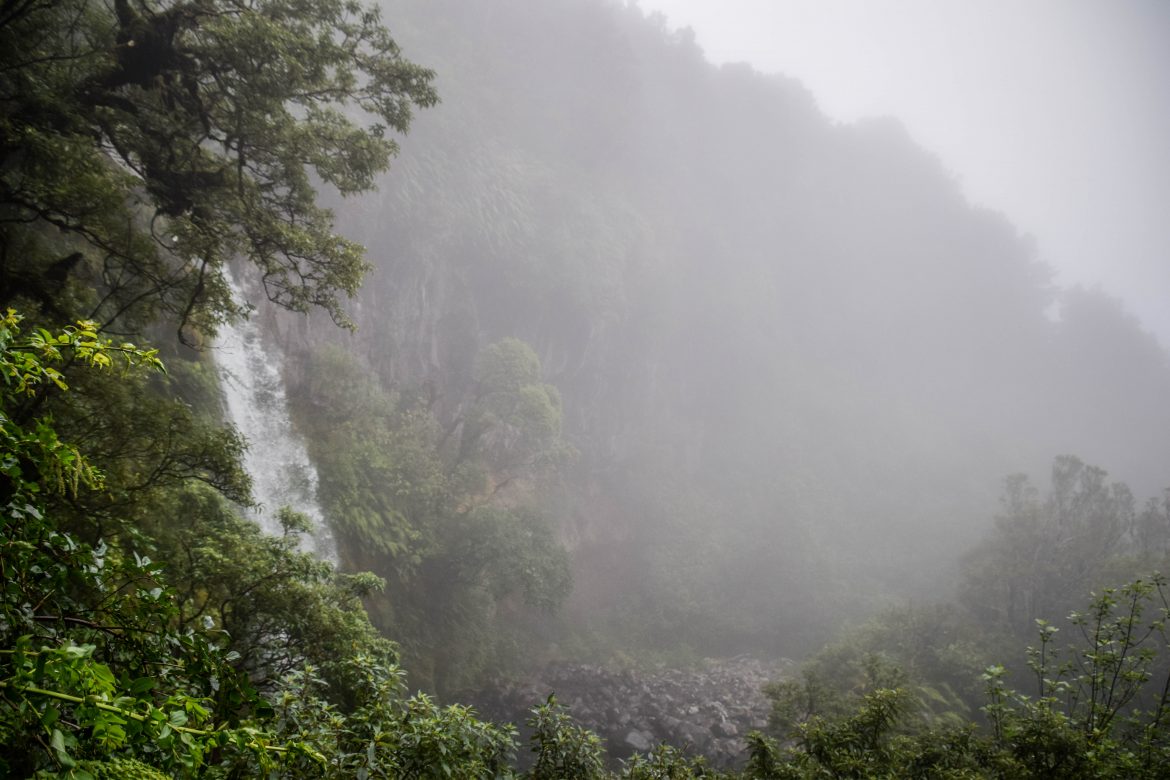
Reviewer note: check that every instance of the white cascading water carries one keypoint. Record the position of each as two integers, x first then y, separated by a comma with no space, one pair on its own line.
253,391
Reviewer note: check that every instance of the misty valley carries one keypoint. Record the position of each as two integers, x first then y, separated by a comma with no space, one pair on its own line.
466,389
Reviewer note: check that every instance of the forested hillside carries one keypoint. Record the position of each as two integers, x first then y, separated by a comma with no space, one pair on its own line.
643,361
795,364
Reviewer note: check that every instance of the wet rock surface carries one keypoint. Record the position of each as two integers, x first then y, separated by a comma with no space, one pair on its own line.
705,710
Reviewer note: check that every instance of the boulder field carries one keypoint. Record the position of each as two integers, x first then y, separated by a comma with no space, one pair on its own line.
706,710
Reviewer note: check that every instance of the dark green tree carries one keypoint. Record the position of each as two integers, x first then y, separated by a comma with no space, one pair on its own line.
1045,550
465,565
513,420
241,657
90,661
146,144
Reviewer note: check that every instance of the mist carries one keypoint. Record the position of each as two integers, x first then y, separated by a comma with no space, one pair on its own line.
1053,113
797,346
809,317
765,380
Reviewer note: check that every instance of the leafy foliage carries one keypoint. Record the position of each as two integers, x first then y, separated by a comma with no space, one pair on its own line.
514,420
163,139
455,528
106,668
1043,551
273,607
89,664
1100,713
933,655
1099,704
383,734
562,748
665,762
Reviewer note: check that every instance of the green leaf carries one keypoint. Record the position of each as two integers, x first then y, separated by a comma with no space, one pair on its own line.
57,742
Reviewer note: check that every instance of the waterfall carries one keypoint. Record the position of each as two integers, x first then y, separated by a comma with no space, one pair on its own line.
253,392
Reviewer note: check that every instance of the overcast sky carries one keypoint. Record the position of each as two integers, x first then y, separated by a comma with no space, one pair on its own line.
1054,112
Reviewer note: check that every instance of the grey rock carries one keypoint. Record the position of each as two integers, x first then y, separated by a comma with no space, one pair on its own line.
639,741
703,710
725,729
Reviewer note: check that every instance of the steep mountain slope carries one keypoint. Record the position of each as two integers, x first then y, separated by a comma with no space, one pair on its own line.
794,362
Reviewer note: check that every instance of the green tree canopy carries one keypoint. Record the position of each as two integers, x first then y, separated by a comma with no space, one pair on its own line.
1045,550
154,141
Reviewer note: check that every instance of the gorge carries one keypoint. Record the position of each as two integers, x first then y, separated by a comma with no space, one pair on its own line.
648,379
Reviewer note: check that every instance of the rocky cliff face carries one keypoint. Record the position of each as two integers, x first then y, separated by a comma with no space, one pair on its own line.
795,362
